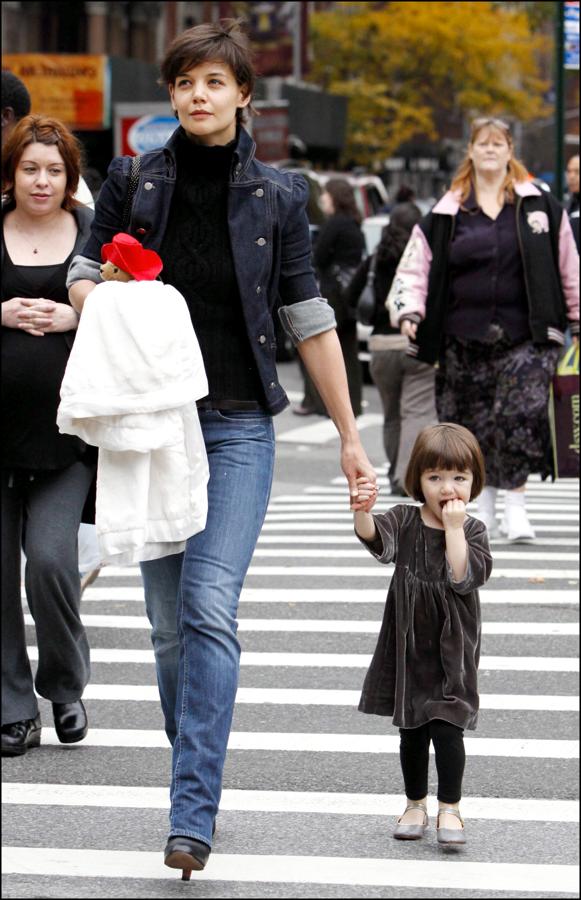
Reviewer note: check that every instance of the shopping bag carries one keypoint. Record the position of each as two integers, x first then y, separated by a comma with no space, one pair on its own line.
564,415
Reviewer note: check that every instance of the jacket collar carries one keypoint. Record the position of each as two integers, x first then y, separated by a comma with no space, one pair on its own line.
450,202
241,158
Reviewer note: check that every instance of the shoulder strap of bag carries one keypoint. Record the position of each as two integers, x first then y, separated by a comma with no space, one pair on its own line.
133,181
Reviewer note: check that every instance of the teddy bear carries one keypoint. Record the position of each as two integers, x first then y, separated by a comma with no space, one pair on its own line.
125,259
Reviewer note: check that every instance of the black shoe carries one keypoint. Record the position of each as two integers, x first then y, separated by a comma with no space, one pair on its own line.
397,490
187,854
18,737
70,721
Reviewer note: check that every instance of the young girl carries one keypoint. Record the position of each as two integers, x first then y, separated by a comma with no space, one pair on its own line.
424,669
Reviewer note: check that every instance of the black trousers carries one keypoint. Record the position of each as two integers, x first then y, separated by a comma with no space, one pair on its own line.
42,515
448,741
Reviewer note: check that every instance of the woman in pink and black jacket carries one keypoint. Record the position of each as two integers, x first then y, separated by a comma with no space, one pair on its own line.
486,288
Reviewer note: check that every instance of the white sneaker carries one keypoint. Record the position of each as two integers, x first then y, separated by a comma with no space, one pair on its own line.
515,524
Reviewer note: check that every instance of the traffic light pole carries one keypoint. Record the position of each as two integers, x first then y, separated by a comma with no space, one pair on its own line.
559,99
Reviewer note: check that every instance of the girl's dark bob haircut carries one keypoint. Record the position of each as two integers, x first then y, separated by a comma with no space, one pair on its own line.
445,446
222,41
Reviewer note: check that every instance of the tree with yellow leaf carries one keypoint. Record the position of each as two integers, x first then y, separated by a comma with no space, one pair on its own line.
405,63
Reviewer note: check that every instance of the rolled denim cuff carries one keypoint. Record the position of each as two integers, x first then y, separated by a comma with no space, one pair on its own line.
83,268
307,318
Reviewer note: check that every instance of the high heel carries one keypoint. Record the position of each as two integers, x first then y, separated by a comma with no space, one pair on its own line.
186,854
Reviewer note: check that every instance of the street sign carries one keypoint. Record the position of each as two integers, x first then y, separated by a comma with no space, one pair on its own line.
571,34
140,127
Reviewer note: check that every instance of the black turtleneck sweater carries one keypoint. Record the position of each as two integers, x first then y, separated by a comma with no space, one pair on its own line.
197,261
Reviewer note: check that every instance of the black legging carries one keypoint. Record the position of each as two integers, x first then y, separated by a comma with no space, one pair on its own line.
448,741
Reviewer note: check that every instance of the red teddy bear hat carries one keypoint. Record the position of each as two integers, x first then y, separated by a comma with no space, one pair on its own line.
128,254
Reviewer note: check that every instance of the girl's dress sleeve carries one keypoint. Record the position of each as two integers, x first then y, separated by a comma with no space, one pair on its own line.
479,559
384,545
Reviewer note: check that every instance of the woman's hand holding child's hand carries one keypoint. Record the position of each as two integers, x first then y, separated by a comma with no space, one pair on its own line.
366,497
453,514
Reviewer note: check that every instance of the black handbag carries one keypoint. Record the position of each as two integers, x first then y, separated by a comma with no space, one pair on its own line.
366,302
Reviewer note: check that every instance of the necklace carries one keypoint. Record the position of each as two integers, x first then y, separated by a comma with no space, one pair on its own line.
26,238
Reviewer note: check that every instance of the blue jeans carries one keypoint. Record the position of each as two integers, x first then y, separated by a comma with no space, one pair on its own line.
192,600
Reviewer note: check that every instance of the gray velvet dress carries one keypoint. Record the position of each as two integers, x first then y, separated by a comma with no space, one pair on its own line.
426,661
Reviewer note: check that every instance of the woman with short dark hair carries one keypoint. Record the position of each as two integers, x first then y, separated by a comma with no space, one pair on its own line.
233,236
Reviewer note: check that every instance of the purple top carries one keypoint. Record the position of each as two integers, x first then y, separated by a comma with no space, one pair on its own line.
486,275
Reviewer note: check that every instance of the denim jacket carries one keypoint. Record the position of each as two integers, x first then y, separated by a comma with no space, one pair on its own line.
269,235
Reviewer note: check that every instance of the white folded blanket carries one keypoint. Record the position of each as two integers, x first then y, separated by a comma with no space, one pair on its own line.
130,388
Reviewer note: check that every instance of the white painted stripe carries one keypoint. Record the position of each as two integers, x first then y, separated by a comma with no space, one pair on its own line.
369,570
509,809
322,515
532,481
339,595
359,552
310,742
322,431
331,626
374,571
124,864
319,540
340,660
148,693
343,505
540,528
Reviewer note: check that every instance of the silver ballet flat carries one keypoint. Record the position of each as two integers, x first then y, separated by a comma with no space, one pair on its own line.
450,835
411,832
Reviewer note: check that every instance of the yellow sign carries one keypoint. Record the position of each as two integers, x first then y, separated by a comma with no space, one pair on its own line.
71,87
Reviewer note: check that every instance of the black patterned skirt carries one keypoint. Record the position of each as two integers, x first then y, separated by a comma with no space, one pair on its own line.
500,392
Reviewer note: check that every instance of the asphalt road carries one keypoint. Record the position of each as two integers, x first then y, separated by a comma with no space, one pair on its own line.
312,788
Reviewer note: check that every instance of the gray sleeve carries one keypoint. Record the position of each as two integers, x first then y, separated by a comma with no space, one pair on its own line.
307,318
83,268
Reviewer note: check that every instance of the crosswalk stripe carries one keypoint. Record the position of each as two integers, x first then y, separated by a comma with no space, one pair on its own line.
148,693
322,432
360,553
319,540
339,660
311,742
331,626
341,595
511,809
332,870
372,570
368,569
326,515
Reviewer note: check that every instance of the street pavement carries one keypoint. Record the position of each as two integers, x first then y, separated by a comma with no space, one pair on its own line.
312,787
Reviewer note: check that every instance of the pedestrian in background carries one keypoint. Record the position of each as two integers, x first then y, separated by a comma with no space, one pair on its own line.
406,385
487,286
338,251
572,175
424,672
16,104
46,476
233,236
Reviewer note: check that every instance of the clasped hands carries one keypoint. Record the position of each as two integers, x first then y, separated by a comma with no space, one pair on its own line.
38,316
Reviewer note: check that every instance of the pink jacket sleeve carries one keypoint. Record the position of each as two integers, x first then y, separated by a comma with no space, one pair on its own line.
409,289
569,271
